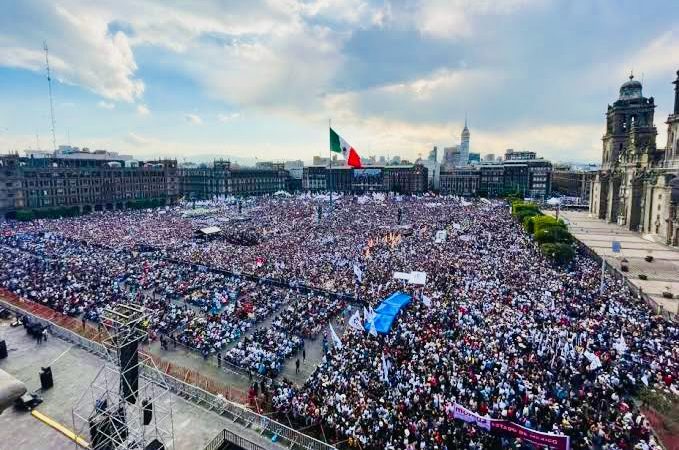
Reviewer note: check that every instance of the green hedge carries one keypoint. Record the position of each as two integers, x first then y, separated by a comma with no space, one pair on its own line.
559,252
25,215
542,222
518,206
553,234
554,239
145,203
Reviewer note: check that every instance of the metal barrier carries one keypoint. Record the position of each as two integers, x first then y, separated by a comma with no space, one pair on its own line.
217,403
225,436
636,290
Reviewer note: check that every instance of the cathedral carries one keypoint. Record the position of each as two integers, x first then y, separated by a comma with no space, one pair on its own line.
638,184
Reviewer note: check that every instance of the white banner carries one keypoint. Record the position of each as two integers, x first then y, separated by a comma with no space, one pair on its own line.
418,278
401,276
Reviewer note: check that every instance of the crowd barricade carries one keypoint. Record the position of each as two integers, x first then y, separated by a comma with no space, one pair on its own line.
225,436
186,383
619,276
278,282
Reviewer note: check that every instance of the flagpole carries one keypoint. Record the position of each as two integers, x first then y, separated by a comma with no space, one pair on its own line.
329,165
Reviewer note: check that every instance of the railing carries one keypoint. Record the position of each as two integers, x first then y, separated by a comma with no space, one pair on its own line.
216,402
80,330
636,290
225,436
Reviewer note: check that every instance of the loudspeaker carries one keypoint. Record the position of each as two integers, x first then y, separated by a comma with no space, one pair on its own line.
148,411
3,350
155,445
101,430
129,371
46,380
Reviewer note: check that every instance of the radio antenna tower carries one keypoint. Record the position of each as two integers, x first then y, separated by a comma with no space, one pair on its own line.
49,85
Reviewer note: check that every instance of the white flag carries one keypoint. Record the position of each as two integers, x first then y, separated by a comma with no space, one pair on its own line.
620,346
355,321
335,338
385,369
369,314
373,330
358,272
426,300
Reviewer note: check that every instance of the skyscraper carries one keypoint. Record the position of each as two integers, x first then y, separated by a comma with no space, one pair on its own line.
464,145
433,154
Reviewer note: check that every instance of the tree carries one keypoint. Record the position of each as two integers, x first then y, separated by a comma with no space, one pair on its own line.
543,222
561,253
553,234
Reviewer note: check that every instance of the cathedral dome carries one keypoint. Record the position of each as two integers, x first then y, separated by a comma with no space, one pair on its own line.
630,89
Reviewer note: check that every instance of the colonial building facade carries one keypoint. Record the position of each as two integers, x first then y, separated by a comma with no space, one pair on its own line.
638,185
88,184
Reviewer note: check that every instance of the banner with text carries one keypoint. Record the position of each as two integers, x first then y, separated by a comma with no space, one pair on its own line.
553,441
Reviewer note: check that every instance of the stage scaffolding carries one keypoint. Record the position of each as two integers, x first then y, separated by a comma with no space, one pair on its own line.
129,404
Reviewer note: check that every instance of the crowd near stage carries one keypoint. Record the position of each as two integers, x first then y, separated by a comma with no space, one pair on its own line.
452,330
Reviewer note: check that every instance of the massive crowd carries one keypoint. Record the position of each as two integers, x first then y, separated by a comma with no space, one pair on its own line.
496,328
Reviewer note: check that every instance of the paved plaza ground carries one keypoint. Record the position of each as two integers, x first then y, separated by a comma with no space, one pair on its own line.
662,272
73,370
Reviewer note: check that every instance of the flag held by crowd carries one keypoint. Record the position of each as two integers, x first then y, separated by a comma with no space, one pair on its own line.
335,339
358,272
355,321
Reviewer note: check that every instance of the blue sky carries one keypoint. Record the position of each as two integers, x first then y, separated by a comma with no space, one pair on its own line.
261,78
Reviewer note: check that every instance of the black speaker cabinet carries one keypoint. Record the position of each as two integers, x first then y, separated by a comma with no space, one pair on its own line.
46,380
3,349
155,445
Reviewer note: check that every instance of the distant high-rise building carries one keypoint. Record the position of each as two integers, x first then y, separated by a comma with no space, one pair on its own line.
451,155
474,158
464,145
433,154
490,157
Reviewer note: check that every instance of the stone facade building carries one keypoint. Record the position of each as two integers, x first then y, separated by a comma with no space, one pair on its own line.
637,186
86,183
221,179
404,179
528,178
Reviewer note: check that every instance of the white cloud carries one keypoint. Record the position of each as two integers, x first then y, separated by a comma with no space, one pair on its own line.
452,19
224,118
82,51
106,105
358,12
137,140
657,59
143,110
193,119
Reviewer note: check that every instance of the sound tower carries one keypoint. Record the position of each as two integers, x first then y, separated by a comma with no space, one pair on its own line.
129,370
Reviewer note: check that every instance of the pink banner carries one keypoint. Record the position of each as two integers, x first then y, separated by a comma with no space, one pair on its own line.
553,441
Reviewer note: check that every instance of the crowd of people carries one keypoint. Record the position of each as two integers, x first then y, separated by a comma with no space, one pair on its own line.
497,328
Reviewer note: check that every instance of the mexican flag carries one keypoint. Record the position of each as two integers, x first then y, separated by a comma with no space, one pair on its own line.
339,145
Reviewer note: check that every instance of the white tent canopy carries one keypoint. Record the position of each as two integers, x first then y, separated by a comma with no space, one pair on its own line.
207,231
